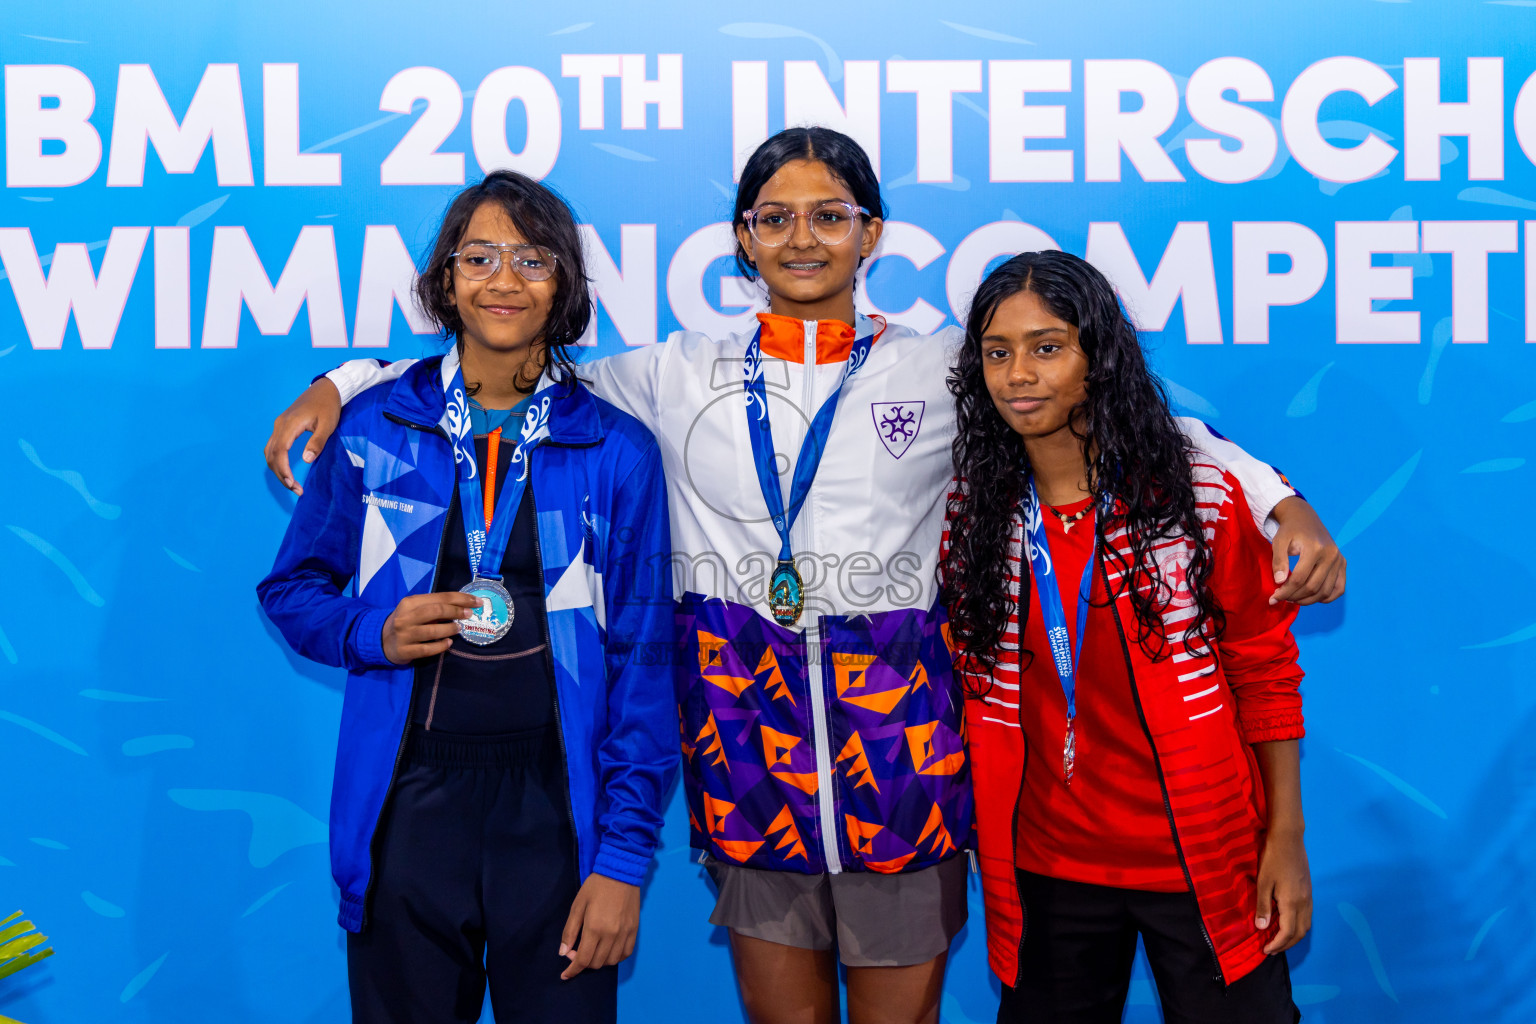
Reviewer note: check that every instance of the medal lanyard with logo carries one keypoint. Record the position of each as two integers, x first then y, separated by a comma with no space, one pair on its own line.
488,529
1066,652
786,590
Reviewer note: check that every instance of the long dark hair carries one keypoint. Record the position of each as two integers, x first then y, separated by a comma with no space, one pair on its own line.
1140,464
842,156
543,218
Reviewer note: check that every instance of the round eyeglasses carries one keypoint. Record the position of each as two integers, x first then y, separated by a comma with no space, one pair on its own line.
831,223
482,261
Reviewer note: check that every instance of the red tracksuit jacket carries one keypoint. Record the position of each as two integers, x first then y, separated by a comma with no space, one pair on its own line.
1201,712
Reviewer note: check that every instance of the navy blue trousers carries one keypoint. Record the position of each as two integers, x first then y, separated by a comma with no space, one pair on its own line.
474,873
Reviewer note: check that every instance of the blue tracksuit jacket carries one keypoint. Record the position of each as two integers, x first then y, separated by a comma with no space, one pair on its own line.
367,533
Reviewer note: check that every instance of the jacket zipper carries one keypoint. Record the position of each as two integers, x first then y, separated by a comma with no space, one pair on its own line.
824,779
549,662
1013,829
809,363
820,703
1162,781
394,772
1022,603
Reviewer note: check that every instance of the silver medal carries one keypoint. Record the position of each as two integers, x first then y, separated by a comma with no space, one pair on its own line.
491,621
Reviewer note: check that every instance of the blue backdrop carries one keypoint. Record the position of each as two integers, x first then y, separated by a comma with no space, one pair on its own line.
168,762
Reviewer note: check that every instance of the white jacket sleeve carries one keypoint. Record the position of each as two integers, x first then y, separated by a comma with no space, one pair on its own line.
355,376
631,380
1263,485
952,339
628,380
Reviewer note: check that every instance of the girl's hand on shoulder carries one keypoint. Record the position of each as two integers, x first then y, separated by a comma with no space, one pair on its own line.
1319,573
317,410
1285,890
424,625
601,928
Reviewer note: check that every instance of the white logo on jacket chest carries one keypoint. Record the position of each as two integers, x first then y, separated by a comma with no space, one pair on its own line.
393,503
897,423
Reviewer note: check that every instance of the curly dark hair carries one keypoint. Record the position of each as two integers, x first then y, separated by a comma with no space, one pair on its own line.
543,218
1140,464
841,155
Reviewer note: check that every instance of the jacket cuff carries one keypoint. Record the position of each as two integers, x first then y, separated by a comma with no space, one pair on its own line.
620,865
349,381
366,644
1271,728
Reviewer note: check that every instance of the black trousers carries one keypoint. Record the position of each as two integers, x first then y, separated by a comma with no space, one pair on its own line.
474,875
1080,943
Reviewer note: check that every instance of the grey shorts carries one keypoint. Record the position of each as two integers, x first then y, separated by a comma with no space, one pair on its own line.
875,920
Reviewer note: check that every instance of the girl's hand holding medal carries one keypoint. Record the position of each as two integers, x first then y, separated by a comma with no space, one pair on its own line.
424,625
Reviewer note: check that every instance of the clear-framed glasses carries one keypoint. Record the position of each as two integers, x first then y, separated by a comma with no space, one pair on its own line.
832,222
482,261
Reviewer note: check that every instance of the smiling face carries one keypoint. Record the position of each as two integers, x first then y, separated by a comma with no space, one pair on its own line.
1035,367
807,278
504,313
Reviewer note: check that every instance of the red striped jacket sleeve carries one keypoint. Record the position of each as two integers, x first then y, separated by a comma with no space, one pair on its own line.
1258,653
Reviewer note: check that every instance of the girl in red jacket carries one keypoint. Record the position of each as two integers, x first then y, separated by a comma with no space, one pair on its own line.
1135,713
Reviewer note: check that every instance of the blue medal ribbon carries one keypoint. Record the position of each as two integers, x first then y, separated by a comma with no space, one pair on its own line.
487,548
1066,651
761,431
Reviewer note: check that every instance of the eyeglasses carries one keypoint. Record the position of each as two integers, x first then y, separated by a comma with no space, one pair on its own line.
482,261
831,223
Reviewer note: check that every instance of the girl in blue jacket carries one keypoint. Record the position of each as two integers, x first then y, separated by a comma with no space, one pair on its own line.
486,553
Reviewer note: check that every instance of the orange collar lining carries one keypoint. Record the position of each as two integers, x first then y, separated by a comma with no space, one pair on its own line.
783,337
